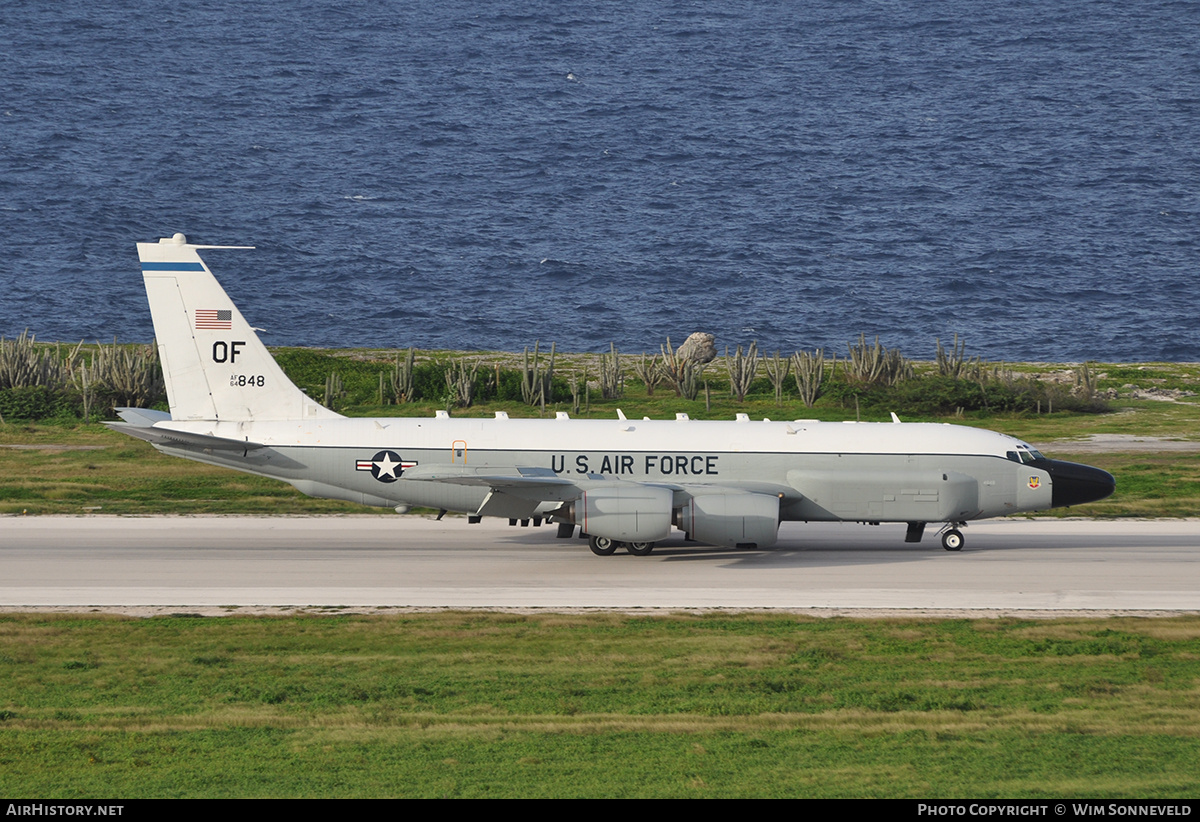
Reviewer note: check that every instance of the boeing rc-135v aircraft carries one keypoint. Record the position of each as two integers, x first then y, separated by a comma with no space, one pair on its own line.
623,483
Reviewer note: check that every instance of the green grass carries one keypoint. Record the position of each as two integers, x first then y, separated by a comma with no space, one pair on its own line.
1139,418
455,704
127,476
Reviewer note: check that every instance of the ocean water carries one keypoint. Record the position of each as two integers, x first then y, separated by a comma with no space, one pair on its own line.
483,175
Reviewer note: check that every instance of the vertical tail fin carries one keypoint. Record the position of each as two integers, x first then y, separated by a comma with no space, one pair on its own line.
215,366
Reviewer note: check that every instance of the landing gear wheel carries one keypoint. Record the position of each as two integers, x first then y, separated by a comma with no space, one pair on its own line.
952,540
602,546
640,549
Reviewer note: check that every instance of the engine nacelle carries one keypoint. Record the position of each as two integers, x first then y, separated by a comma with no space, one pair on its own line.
626,512
732,520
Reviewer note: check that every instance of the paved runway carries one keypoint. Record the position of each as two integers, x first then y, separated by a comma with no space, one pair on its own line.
1024,565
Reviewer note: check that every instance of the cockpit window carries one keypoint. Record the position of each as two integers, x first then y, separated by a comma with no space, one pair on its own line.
1025,455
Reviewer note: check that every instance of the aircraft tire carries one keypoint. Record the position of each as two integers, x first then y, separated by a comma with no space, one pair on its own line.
640,549
602,546
952,540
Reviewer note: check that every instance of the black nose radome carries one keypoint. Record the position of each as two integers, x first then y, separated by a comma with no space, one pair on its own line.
1075,484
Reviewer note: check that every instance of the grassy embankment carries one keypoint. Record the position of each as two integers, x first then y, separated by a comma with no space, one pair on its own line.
119,475
460,705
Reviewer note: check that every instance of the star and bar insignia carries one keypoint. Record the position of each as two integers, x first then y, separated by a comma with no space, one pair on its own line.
386,466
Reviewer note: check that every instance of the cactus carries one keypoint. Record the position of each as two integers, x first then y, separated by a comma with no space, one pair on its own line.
578,384
120,375
876,365
742,370
536,385
649,372
461,383
124,375
682,373
131,374
334,390
809,373
87,390
950,364
401,379
23,365
612,376
954,363
1085,381
778,369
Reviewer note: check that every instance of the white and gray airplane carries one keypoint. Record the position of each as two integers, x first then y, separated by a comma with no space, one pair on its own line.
623,483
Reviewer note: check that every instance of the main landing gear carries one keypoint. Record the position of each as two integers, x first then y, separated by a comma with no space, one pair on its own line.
603,546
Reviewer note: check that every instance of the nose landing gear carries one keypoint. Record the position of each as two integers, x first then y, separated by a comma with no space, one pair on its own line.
952,538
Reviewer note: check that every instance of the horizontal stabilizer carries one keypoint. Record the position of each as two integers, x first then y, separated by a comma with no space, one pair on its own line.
142,417
169,438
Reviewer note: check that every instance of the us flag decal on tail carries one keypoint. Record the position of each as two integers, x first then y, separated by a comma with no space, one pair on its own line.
211,318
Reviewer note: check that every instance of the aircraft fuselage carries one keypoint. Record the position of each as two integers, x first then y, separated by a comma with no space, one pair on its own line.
877,472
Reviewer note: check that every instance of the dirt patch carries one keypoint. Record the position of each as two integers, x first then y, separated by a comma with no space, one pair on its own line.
50,447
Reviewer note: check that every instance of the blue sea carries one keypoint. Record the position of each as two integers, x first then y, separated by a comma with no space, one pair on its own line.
483,175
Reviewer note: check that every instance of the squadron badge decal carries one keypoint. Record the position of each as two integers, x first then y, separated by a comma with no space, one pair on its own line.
1034,482
386,466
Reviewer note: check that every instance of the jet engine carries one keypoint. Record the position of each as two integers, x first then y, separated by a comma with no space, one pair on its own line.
626,512
732,520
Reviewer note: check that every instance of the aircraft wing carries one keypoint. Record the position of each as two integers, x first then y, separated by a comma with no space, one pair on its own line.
523,494
531,484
